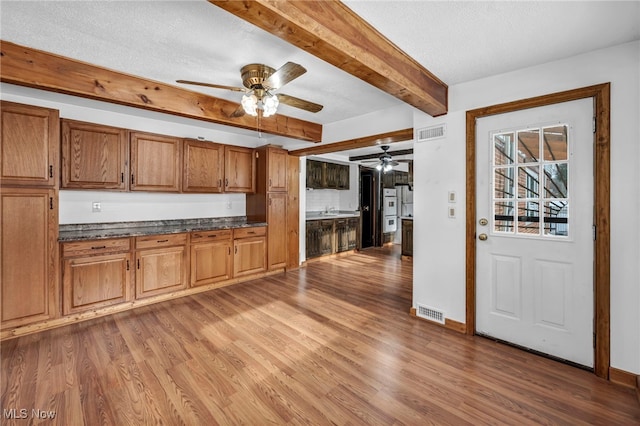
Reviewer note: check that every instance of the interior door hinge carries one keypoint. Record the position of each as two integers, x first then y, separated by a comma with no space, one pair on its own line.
594,124
594,232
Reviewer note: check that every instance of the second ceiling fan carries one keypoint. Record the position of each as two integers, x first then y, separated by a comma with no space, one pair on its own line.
260,83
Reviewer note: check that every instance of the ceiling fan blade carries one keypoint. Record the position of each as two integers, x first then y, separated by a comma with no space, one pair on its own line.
283,75
393,163
404,161
215,86
299,103
370,161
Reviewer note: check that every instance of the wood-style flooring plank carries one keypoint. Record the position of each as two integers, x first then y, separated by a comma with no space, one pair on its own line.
328,344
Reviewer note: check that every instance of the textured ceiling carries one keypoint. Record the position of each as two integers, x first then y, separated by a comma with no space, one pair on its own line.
458,41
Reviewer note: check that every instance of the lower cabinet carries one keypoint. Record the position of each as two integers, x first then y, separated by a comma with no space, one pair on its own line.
328,236
211,259
249,251
161,264
95,274
29,256
407,237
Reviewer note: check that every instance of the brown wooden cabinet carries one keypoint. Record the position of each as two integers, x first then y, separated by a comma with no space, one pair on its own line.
29,252
269,203
95,274
211,259
29,145
329,236
250,251
239,169
94,156
407,237
324,175
156,162
161,264
277,229
203,166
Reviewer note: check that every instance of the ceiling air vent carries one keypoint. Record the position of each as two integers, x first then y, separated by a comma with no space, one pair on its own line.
431,314
431,133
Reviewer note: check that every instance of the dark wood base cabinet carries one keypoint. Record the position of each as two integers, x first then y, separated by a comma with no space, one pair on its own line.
407,237
331,236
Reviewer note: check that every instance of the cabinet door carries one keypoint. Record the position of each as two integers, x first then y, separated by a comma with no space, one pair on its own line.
343,177
94,156
95,281
342,235
239,169
277,229
315,173
29,252
250,256
210,262
160,271
156,163
277,169
30,143
312,239
407,237
203,167
327,237
353,226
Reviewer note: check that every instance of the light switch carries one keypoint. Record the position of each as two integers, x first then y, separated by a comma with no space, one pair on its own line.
96,207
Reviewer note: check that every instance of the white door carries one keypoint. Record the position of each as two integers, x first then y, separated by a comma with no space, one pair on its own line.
534,236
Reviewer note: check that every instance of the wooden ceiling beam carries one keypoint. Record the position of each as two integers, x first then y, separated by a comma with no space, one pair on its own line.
334,33
363,142
42,70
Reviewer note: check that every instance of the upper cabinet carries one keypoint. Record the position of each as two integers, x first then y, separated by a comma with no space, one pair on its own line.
94,156
239,169
277,161
323,175
29,145
156,162
203,166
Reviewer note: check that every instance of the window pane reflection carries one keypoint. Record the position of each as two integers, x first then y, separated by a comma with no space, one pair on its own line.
556,215
503,182
503,149
528,182
528,146
528,218
555,143
503,216
556,180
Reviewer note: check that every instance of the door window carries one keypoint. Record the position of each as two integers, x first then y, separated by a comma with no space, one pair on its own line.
531,182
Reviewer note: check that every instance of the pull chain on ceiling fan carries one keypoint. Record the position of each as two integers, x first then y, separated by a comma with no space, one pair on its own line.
260,82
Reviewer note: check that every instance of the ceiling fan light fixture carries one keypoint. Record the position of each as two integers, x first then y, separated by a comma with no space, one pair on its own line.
269,105
387,167
250,104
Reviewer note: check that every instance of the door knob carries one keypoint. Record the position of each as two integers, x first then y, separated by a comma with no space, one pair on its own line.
482,237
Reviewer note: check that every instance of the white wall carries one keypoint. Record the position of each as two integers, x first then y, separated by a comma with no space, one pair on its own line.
75,206
439,242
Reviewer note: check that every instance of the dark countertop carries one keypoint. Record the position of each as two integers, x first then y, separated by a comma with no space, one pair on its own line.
406,217
97,231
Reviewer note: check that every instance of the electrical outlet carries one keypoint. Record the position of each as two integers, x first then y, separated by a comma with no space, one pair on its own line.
96,207
229,205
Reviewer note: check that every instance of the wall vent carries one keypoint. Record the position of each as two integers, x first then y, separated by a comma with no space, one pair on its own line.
431,133
429,313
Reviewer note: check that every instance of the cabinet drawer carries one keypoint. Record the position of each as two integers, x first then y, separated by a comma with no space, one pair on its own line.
214,235
84,248
162,240
256,231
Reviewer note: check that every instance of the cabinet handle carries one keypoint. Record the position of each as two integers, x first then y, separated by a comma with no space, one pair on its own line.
219,183
269,182
251,232
50,203
98,247
229,251
127,265
132,179
122,177
226,182
162,241
138,263
50,171
212,236
236,250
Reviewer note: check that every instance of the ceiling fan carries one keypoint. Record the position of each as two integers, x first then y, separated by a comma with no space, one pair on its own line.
385,161
260,82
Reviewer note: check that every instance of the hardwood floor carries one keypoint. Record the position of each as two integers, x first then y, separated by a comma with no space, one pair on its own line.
332,343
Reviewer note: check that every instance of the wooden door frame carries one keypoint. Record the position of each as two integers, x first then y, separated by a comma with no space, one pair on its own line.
601,162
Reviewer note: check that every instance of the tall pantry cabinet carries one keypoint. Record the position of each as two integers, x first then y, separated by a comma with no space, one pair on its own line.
269,203
29,146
